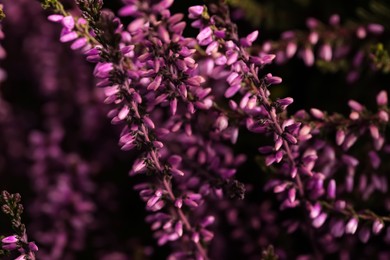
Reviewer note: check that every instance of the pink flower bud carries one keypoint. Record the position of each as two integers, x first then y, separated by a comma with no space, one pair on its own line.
364,234
381,98
312,23
164,34
279,156
136,25
209,220
355,106
33,247
315,210
278,143
173,106
350,160
374,131
213,47
374,159
127,10
123,112
69,37
55,18
375,28
383,116
354,115
351,226
252,36
179,203
334,20
290,138
340,204
332,189
292,194
293,172
10,239
138,167
21,257
317,113
349,141
285,101
10,246
273,79
195,11
204,34
270,159
79,43
233,105
68,22
377,226
291,49
313,38
148,122
320,220
231,91
361,32
326,52
221,123
308,57
155,84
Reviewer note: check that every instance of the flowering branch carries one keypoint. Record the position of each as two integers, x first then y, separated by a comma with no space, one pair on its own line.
265,116
114,72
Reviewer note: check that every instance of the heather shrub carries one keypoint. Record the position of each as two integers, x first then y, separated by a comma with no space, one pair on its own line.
164,129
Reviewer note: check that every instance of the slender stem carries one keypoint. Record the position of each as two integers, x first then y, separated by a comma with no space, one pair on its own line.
279,131
350,212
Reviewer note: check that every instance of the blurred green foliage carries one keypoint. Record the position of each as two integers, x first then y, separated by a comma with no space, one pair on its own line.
380,57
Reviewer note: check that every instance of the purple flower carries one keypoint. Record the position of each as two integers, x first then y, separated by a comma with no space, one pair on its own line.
377,226
351,226
10,239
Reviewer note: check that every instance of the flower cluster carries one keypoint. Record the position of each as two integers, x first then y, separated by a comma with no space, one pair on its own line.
180,109
142,74
332,45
